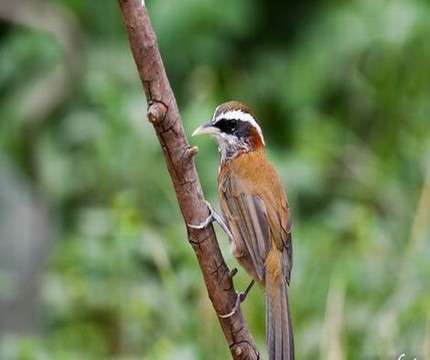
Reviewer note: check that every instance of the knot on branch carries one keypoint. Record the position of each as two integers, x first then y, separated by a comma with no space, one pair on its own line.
191,152
244,350
238,351
156,111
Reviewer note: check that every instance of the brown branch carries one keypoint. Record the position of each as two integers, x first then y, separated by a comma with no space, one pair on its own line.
164,115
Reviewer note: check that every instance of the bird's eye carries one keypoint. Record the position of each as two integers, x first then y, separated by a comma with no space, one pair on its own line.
232,125
226,125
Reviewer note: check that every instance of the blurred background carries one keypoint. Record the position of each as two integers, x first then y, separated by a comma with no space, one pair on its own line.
94,259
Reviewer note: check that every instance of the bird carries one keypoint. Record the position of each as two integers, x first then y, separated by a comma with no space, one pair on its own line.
255,210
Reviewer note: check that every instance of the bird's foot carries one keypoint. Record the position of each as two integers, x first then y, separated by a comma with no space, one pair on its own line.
240,298
244,294
236,306
213,216
232,273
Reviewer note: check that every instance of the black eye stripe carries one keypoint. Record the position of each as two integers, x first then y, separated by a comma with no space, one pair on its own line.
239,128
227,125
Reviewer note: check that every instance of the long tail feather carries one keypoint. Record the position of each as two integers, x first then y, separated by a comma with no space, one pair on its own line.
279,329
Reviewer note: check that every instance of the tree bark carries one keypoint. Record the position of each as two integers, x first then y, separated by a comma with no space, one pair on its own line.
164,115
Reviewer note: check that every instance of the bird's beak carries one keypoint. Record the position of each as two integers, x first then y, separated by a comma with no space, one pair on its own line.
206,128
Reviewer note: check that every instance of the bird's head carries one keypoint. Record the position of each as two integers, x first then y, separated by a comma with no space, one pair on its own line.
235,128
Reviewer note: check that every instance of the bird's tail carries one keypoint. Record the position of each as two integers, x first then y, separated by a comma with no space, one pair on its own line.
279,328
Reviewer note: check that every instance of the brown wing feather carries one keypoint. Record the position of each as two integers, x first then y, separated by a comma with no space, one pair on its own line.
256,213
280,226
248,223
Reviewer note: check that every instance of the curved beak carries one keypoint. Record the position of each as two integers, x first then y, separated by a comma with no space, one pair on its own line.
206,128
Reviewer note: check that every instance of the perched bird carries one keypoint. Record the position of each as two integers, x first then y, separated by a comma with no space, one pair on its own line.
255,209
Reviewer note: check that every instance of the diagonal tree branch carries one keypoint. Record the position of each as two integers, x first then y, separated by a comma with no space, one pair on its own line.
164,115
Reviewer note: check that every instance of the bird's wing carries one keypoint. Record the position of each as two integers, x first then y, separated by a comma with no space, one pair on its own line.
257,215
279,217
247,217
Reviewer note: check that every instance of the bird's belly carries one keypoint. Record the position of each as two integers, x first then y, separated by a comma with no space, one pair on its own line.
244,259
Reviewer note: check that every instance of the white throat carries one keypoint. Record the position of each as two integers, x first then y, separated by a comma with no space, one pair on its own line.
229,146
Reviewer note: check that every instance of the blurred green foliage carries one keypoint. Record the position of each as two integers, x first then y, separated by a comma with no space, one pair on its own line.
342,92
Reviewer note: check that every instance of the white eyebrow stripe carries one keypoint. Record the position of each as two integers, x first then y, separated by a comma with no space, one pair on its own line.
240,115
237,115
